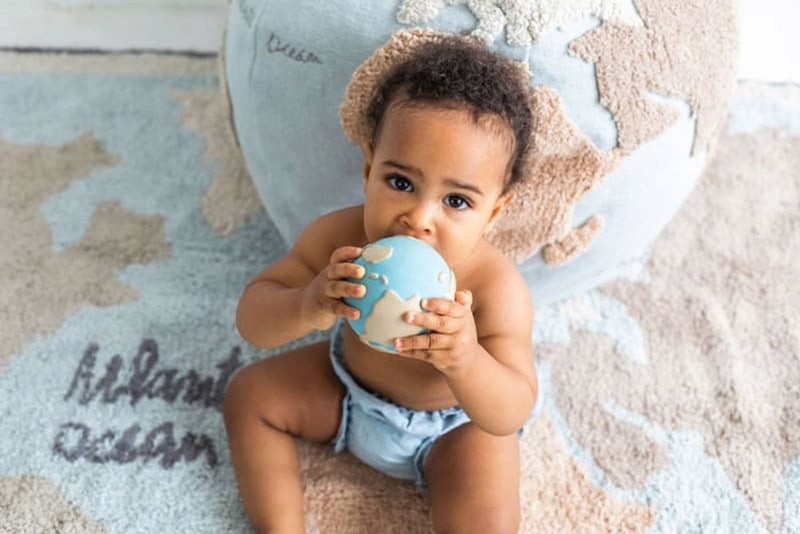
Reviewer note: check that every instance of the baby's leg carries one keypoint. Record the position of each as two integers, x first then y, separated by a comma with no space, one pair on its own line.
473,478
267,405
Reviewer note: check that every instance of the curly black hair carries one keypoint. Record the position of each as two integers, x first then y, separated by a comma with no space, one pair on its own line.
459,73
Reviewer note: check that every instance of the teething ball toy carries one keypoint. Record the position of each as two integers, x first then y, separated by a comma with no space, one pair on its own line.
401,271
628,98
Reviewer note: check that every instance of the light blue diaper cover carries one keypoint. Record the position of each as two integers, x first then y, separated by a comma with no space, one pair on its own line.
390,438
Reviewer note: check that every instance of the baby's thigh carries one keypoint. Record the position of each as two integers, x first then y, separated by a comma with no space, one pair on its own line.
473,480
296,392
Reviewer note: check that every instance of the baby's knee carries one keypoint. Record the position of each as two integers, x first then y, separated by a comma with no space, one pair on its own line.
245,395
234,402
253,399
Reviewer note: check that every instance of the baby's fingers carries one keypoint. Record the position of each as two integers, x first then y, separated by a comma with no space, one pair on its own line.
447,307
340,309
345,254
337,289
338,271
464,297
433,321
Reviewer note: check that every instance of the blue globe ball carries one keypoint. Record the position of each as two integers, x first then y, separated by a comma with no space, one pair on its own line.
401,271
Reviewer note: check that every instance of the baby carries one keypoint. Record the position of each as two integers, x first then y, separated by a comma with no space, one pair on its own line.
452,127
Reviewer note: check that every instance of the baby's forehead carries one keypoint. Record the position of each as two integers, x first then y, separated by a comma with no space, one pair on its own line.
458,114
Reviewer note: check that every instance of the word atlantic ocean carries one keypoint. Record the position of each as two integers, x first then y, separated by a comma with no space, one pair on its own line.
77,440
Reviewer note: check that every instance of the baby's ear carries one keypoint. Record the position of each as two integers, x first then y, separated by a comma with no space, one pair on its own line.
368,153
501,202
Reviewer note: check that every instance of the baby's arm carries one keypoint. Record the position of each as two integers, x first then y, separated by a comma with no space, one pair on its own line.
498,390
489,367
302,291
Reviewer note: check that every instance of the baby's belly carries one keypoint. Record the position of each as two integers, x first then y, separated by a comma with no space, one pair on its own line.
411,383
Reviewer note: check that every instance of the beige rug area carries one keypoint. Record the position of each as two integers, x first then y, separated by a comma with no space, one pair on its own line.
671,398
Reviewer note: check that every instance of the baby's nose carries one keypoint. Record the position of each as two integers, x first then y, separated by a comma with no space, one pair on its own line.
419,219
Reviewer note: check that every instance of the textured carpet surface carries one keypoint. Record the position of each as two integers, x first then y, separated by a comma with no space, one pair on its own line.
129,227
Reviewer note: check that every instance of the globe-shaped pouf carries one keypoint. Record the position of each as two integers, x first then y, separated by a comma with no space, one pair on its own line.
628,98
401,271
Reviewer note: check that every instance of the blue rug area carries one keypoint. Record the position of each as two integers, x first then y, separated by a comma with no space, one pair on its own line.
129,231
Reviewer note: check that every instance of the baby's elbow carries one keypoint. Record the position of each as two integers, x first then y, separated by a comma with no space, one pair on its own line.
241,323
533,383
508,426
247,330
502,431
528,376
523,415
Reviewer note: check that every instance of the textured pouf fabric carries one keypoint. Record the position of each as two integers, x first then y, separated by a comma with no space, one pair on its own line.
628,99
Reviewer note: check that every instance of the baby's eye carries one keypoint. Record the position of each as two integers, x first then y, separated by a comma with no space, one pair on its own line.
457,202
400,183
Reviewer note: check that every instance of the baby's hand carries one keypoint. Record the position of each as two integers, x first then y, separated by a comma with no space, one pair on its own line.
322,300
452,340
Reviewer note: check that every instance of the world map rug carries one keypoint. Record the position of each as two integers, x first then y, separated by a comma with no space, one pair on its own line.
671,397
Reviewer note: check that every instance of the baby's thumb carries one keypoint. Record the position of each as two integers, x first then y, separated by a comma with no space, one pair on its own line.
464,297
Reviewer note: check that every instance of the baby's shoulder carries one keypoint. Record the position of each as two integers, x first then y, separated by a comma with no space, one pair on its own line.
348,221
326,233
499,290
495,271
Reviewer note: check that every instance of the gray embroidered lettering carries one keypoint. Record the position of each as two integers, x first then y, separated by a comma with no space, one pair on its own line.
75,440
276,46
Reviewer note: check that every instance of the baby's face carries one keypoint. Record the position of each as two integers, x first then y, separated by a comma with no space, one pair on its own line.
437,176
